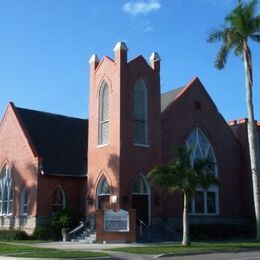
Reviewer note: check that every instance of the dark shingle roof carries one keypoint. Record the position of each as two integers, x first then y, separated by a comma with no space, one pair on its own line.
168,97
61,141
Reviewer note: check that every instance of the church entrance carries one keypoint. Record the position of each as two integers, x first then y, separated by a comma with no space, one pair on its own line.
103,194
103,201
141,199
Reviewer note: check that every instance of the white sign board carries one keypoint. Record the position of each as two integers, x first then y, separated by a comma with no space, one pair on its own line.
116,221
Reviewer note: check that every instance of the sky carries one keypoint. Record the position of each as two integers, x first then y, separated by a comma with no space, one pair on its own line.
45,46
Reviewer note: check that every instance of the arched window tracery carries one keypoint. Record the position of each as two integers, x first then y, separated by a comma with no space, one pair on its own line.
204,201
6,192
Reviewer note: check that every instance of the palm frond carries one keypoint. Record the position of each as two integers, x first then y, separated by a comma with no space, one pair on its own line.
205,175
255,37
180,175
215,35
242,18
256,23
221,58
251,7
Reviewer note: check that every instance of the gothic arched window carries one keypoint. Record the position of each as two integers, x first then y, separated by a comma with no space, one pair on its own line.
140,134
103,187
204,201
24,202
103,194
140,186
58,200
103,120
6,192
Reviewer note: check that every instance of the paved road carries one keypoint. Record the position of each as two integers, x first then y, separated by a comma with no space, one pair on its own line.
248,255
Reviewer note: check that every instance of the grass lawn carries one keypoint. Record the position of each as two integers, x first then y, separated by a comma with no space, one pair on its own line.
29,251
176,248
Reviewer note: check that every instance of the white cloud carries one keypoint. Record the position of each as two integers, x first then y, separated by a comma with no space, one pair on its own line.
141,7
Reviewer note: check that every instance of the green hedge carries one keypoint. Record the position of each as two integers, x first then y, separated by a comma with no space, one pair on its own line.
12,234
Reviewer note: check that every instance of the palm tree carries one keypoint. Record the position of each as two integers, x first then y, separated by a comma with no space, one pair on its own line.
180,175
242,25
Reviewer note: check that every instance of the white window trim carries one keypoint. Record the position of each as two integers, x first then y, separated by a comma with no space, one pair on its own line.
100,111
142,145
205,213
8,187
23,204
102,145
212,188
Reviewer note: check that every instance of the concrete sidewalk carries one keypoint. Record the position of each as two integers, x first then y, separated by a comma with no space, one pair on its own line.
88,247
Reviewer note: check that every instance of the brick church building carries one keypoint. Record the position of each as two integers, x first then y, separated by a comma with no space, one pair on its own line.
49,162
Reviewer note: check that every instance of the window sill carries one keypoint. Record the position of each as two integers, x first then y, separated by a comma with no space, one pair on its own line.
102,145
203,214
142,145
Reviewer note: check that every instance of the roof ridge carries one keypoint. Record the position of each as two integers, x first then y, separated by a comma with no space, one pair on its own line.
49,113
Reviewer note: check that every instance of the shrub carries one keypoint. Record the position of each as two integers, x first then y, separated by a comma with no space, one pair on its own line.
12,234
66,218
43,233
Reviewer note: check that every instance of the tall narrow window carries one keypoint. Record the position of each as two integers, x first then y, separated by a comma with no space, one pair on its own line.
58,200
203,201
140,129
6,192
103,124
24,202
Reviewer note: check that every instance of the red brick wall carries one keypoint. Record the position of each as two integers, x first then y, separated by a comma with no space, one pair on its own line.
19,154
137,159
177,123
104,160
74,188
240,130
16,152
121,161
102,235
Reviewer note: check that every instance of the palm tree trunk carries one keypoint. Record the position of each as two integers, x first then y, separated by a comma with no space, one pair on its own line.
186,232
252,136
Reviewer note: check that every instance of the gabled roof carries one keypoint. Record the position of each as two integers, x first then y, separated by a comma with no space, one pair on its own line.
168,97
60,141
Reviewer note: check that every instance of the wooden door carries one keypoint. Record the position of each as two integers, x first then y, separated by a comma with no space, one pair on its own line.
103,202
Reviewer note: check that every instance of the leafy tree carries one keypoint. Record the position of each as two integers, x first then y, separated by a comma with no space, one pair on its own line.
180,175
242,25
